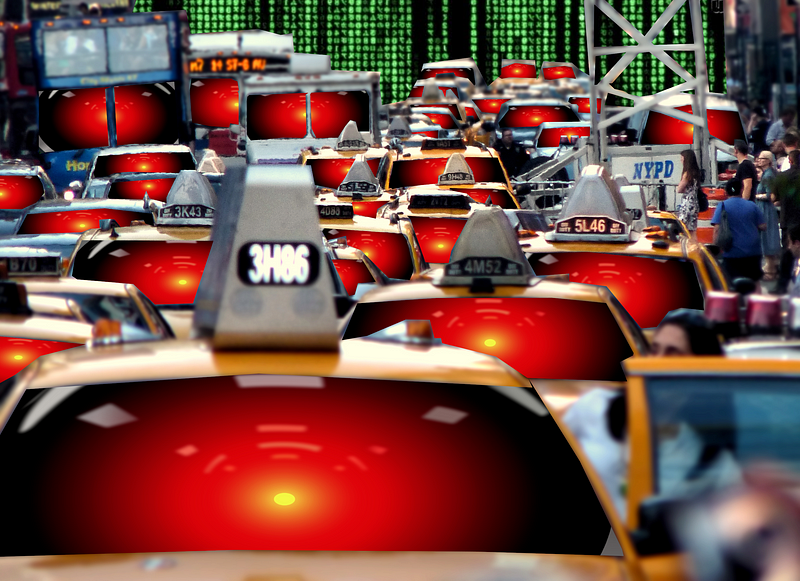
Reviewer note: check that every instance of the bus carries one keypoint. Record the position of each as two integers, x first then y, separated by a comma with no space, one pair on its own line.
108,81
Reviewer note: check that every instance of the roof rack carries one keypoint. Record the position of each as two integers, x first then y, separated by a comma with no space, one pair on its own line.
264,285
486,254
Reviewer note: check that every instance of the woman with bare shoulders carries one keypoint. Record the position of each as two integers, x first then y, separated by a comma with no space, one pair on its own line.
689,187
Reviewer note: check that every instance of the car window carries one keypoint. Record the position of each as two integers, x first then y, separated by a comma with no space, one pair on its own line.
19,191
722,424
510,327
332,110
267,462
535,115
78,220
148,162
388,250
329,173
117,308
166,272
647,286
215,102
421,172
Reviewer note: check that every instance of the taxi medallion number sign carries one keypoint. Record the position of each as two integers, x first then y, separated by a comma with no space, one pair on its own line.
33,265
595,225
278,264
450,201
338,212
361,187
186,211
487,266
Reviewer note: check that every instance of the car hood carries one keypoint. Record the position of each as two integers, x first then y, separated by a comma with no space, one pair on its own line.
313,566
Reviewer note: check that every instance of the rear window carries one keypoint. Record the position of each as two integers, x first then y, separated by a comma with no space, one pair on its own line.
506,327
437,236
664,130
443,120
518,71
648,287
78,220
331,111
352,272
422,172
417,91
136,189
149,162
500,196
167,272
535,115
388,250
463,72
266,462
215,102
584,104
19,191
489,105
329,173
551,136
552,73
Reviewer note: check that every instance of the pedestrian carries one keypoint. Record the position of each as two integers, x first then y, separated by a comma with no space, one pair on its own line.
598,419
689,186
794,248
745,221
778,129
765,200
757,129
779,151
791,142
512,154
786,187
746,172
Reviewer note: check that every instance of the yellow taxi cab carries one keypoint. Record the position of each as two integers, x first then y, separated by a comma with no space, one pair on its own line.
44,312
330,165
593,241
359,188
727,413
266,432
353,267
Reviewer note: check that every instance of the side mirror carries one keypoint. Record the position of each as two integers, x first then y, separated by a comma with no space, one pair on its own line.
235,128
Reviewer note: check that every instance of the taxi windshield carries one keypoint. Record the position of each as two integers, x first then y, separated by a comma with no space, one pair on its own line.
136,189
389,251
648,287
506,327
406,173
215,102
76,118
117,308
706,429
19,191
535,115
489,105
264,462
167,272
329,173
75,221
145,162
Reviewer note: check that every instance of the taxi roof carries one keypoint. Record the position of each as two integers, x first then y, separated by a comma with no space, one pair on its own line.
328,152
46,328
356,358
42,285
145,232
416,152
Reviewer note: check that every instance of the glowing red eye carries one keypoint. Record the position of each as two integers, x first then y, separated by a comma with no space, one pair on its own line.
16,354
352,272
551,73
135,190
551,137
533,116
521,71
420,172
437,236
17,191
276,116
215,102
168,273
330,112
108,165
489,105
390,252
75,221
329,173
499,197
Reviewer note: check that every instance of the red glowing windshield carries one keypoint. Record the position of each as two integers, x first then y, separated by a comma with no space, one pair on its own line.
167,273
462,72
19,191
16,354
388,250
535,115
552,73
263,462
423,172
500,197
78,220
352,272
518,71
648,287
583,104
76,118
279,116
215,102
331,111
135,190
489,105
665,130
417,91
442,120
368,209
150,162
329,173
505,326
437,236
551,136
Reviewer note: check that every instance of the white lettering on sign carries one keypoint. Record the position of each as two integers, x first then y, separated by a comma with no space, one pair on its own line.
279,263
590,226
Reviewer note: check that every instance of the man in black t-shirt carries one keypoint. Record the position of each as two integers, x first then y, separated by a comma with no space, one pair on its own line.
746,172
